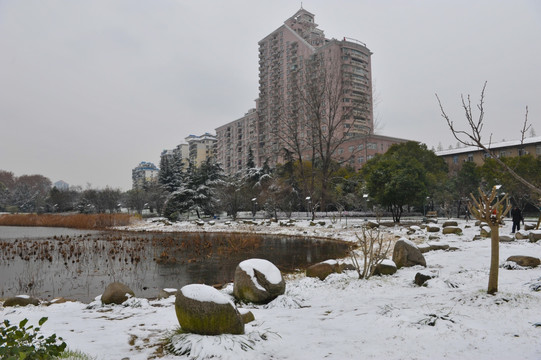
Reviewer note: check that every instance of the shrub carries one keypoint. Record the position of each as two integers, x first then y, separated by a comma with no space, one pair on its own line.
21,342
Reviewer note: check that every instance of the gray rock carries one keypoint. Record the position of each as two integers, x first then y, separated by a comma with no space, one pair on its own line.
386,267
525,261
449,223
201,309
322,270
432,228
529,226
534,236
407,254
422,277
165,293
116,293
452,230
251,283
506,238
21,300
247,316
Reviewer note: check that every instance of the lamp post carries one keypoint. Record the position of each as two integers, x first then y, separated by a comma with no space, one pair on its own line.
426,204
308,205
254,207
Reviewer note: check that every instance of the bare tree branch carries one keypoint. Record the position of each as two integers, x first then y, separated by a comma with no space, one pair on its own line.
473,136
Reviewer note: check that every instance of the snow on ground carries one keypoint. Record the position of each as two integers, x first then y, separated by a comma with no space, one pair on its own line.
341,317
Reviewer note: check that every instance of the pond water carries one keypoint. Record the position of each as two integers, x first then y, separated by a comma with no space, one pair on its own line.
79,264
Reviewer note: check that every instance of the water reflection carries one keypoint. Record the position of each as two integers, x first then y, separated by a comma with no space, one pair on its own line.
80,264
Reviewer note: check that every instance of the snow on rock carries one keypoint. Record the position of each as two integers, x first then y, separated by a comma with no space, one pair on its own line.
268,269
201,309
206,293
258,281
451,318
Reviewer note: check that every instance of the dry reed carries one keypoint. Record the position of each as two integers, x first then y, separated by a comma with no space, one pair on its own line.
76,221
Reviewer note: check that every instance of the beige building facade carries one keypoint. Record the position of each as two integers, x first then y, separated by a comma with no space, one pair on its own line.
456,157
289,58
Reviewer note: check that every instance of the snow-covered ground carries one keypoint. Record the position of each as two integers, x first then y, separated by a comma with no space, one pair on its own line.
341,317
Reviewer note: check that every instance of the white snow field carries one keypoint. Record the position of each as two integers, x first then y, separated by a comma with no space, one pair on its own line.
342,317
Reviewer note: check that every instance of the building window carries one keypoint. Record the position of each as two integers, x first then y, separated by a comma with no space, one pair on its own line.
470,157
372,146
351,148
455,159
360,147
361,159
538,149
340,151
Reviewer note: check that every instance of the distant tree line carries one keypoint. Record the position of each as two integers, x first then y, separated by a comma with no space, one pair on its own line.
407,179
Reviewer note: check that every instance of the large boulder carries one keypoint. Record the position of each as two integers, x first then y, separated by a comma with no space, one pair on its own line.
521,235
116,293
323,269
449,223
406,254
432,228
386,267
201,309
21,300
525,261
258,281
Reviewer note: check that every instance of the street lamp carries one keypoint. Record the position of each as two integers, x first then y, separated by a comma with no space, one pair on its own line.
309,205
254,207
425,205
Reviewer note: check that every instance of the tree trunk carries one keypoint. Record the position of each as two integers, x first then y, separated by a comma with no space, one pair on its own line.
494,259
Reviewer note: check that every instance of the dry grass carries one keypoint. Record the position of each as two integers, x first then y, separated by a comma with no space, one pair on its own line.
76,221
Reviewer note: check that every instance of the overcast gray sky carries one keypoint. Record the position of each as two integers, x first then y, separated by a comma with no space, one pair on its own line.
88,89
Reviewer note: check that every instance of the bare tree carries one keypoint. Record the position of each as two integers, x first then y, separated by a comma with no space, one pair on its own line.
473,135
323,116
486,210
373,249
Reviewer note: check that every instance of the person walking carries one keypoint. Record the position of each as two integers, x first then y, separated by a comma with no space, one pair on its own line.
516,214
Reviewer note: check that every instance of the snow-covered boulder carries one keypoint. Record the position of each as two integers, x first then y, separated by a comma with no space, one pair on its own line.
535,235
432,228
201,309
323,269
21,300
452,230
422,277
525,261
485,231
506,238
165,293
116,293
449,223
258,281
530,226
521,234
406,254
386,267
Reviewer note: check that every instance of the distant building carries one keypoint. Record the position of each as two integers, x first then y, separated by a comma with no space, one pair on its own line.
287,59
201,148
145,172
235,140
196,150
456,157
61,185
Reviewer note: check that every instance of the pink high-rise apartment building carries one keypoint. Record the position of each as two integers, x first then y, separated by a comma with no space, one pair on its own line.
300,69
